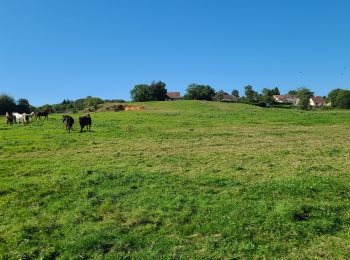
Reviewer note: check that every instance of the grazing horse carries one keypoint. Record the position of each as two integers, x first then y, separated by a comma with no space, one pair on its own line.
32,115
44,113
9,118
20,118
69,122
85,121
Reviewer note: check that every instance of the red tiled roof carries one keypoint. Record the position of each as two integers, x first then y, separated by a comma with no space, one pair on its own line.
229,97
173,94
318,100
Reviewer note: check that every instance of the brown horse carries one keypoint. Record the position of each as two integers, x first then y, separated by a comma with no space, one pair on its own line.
9,118
85,121
44,113
69,121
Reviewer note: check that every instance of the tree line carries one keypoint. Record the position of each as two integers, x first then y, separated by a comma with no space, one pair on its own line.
156,91
8,104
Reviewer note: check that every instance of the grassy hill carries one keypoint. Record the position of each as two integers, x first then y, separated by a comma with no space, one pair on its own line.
178,180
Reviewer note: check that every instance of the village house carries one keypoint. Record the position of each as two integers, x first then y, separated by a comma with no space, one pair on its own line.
317,101
285,99
173,96
229,98
314,102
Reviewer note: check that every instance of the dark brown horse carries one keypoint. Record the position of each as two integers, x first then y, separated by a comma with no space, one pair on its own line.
69,122
44,113
85,121
9,118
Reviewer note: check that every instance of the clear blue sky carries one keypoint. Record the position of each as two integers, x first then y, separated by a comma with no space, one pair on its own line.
56,49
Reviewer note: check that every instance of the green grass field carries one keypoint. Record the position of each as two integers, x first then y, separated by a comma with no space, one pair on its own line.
179,180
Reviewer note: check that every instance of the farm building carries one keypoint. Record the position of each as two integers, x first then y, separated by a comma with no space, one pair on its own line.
173,96
229,98
317,101
289,99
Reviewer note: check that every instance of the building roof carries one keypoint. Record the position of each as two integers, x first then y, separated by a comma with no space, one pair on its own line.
229,97
173,94
284,98
318,100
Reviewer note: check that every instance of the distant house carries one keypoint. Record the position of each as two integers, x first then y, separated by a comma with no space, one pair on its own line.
228,98
317,101
287,99
314,102
173,96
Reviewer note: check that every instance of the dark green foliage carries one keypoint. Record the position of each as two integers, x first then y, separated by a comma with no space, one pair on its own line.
303,95
292,92
140,93
158,91
251,96
74,105
235,93
339,98
343,99
332,96
23,106
199,92
154,92
7,104
267,94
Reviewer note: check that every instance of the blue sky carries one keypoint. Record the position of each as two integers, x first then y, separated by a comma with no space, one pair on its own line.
52,50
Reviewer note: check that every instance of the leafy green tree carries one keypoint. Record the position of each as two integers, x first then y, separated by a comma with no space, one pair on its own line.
141,93
158,91
332,96
7,104
343,99
275,91
92,101
303,95
200,92
251,96
267,95
292,92
23,106
235,93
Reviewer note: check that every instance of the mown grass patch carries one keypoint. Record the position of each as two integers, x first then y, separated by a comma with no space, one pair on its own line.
178,180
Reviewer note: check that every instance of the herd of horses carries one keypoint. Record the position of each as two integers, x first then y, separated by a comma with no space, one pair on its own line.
14,117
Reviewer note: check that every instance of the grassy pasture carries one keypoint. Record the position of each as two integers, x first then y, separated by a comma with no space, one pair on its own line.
178,180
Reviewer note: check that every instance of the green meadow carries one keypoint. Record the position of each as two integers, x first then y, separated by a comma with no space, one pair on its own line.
185,179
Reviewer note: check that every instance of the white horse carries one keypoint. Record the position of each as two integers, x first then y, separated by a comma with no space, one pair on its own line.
20,118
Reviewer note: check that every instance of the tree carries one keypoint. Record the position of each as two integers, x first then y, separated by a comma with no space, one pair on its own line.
141,93
235,93
23,106
275,91
343,99
267,95
303,95
158,91
219,96
200,92
251,96
92,101
7,104
332,96
292,92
